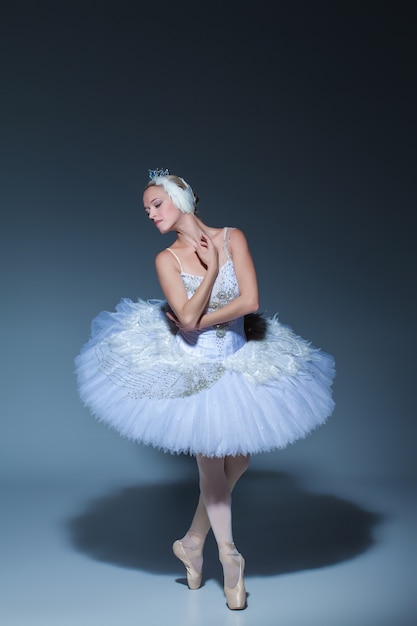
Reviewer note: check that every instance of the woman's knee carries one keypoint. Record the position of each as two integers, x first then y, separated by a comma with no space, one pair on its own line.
210,465
236,465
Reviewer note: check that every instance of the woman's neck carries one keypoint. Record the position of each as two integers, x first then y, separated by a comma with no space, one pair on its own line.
188,228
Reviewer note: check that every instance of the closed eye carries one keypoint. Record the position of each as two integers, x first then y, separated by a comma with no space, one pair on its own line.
156,204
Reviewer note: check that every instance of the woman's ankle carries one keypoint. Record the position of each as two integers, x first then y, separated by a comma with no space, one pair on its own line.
193,539
232,562
227,548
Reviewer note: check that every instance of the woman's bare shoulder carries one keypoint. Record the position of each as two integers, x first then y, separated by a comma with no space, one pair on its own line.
237,238
165,258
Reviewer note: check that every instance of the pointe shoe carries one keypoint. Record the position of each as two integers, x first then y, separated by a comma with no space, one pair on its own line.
235,596
183,553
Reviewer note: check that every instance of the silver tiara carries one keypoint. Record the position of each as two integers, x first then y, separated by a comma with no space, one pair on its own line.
158,172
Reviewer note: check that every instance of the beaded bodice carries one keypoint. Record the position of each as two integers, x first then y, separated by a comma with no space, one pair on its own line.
223,339
225,288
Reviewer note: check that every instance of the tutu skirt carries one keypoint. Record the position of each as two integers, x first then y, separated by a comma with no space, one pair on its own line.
190,394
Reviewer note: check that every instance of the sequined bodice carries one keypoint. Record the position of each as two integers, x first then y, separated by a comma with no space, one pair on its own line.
221,340
225,288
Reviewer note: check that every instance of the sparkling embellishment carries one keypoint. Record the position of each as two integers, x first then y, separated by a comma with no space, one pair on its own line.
221,329
158,172
149,362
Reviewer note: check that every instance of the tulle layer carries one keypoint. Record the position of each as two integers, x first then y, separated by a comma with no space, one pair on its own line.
134,376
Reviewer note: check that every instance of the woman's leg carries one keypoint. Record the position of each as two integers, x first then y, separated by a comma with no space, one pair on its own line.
231,468
216,496
217,499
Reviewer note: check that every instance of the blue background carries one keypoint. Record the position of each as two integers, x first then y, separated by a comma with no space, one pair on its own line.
294,121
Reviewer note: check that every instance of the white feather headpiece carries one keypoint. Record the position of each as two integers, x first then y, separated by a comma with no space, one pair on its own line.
182,198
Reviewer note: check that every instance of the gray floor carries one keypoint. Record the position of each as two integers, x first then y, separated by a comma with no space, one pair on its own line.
335,552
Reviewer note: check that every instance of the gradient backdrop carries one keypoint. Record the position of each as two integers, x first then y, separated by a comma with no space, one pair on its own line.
295,121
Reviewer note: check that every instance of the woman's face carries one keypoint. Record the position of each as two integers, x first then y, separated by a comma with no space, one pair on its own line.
160,208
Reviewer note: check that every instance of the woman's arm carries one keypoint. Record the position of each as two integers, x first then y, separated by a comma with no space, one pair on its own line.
188,311
247,301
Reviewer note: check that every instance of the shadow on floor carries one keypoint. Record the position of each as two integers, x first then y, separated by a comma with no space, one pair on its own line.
278,526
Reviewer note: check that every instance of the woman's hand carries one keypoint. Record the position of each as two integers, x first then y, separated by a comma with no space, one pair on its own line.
207,252
180,325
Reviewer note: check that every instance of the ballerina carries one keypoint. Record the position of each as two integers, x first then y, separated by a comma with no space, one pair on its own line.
189,376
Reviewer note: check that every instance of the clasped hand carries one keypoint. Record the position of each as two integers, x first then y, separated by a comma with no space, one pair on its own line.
206,251
177,322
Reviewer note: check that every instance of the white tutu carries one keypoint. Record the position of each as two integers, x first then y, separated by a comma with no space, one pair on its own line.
208,392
